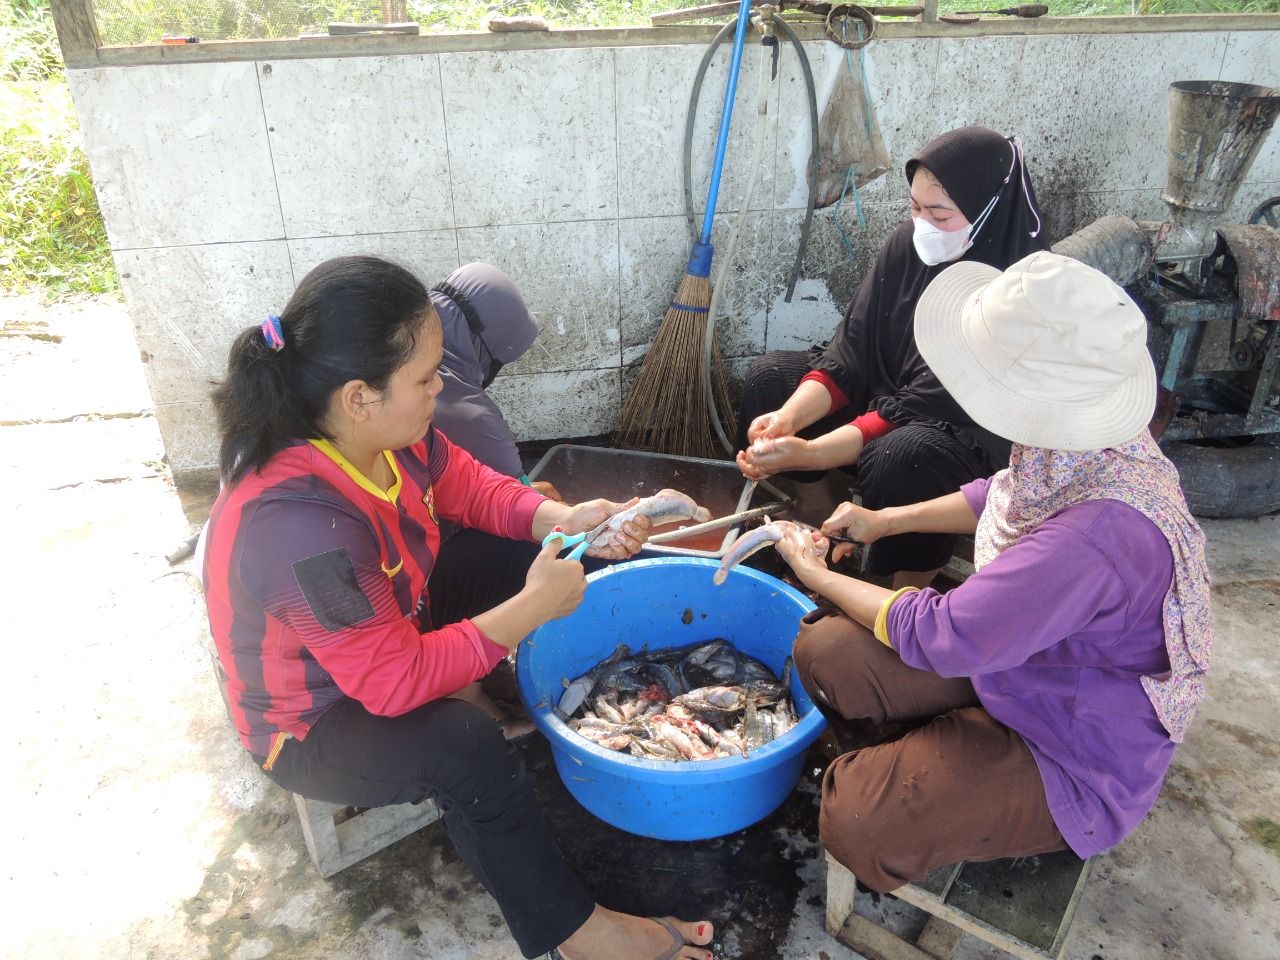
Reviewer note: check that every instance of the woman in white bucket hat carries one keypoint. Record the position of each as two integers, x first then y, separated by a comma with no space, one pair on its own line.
1036,706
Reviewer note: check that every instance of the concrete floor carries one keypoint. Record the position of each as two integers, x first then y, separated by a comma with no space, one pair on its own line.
137,827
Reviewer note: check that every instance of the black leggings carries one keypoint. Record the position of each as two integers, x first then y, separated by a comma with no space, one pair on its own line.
453,753
913,463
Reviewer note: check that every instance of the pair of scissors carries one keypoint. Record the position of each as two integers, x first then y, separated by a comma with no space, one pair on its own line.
570,539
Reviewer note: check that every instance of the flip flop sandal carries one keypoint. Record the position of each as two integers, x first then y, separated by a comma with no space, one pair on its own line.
678,942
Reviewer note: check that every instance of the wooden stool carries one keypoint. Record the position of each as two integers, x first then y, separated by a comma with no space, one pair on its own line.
1024,907
338,836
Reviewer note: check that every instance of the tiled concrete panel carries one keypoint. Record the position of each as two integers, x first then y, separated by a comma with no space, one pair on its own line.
430,255
1066,213
653,257
179,153
755,274
188,304
899,78
901,75
809,318
654,86
654,260
1123,125
1254,57
827,261
550,406
1024,86
651,128
568,275
358,144
190,432
532,135
741,169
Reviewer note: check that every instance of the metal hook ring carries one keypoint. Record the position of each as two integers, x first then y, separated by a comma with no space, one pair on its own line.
845,11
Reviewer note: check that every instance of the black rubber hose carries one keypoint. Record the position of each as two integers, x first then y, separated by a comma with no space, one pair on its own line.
691,117
694,93
811,90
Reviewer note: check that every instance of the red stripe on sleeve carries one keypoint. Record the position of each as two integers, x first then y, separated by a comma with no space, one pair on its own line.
873,425
838,399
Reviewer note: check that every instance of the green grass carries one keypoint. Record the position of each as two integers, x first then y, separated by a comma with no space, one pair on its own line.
1265,831
51,236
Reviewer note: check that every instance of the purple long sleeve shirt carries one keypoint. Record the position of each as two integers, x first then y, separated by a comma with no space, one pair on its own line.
1055,634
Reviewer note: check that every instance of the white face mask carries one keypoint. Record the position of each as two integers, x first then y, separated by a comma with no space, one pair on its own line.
935,246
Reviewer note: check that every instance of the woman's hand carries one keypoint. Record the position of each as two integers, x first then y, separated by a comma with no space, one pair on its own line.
768,456
779,423
547,489
859,523
625,542
805,550
553,584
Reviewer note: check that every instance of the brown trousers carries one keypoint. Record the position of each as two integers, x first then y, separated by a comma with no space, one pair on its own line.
927,776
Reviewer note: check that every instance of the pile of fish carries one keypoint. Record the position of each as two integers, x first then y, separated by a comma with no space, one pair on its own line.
700,702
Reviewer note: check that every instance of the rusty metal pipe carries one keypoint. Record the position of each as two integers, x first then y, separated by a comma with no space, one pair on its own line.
1117,246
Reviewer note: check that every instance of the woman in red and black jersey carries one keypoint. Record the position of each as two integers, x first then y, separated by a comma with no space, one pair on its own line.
351,674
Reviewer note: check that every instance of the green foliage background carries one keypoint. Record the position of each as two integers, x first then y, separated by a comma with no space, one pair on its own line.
51,234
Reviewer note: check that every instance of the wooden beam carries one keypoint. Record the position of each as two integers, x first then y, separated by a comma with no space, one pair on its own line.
876,943
77,32
939,938
1006,941
375,45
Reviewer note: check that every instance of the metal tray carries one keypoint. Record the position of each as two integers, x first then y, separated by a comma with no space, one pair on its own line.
585,473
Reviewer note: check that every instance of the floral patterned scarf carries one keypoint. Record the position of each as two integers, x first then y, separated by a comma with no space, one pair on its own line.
1039,483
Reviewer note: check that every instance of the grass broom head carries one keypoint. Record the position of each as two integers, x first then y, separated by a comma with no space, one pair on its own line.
665,410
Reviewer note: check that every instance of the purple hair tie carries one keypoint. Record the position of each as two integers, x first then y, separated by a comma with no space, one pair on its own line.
273,333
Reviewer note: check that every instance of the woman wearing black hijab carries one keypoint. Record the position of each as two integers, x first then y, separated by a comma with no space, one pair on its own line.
867,397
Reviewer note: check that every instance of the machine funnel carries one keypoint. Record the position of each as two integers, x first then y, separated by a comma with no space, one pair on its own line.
1215,131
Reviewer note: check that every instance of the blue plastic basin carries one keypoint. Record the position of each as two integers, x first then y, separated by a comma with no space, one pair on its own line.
670,602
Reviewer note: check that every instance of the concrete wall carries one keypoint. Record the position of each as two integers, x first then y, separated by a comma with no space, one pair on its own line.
223,183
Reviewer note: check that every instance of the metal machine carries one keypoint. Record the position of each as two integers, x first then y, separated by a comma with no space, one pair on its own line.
1196,277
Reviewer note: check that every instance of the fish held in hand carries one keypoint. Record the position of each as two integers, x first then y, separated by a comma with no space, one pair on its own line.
665,506
765,535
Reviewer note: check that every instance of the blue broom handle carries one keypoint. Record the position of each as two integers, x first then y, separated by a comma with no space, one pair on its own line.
726,117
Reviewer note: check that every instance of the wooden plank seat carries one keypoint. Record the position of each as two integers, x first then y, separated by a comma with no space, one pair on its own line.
1024,907
337,836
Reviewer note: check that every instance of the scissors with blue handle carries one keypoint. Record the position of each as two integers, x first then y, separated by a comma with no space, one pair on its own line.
569,540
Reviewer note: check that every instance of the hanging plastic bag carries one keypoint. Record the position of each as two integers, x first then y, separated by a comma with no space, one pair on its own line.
849,142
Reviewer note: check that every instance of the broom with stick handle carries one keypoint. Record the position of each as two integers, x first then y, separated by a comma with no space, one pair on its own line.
665,410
